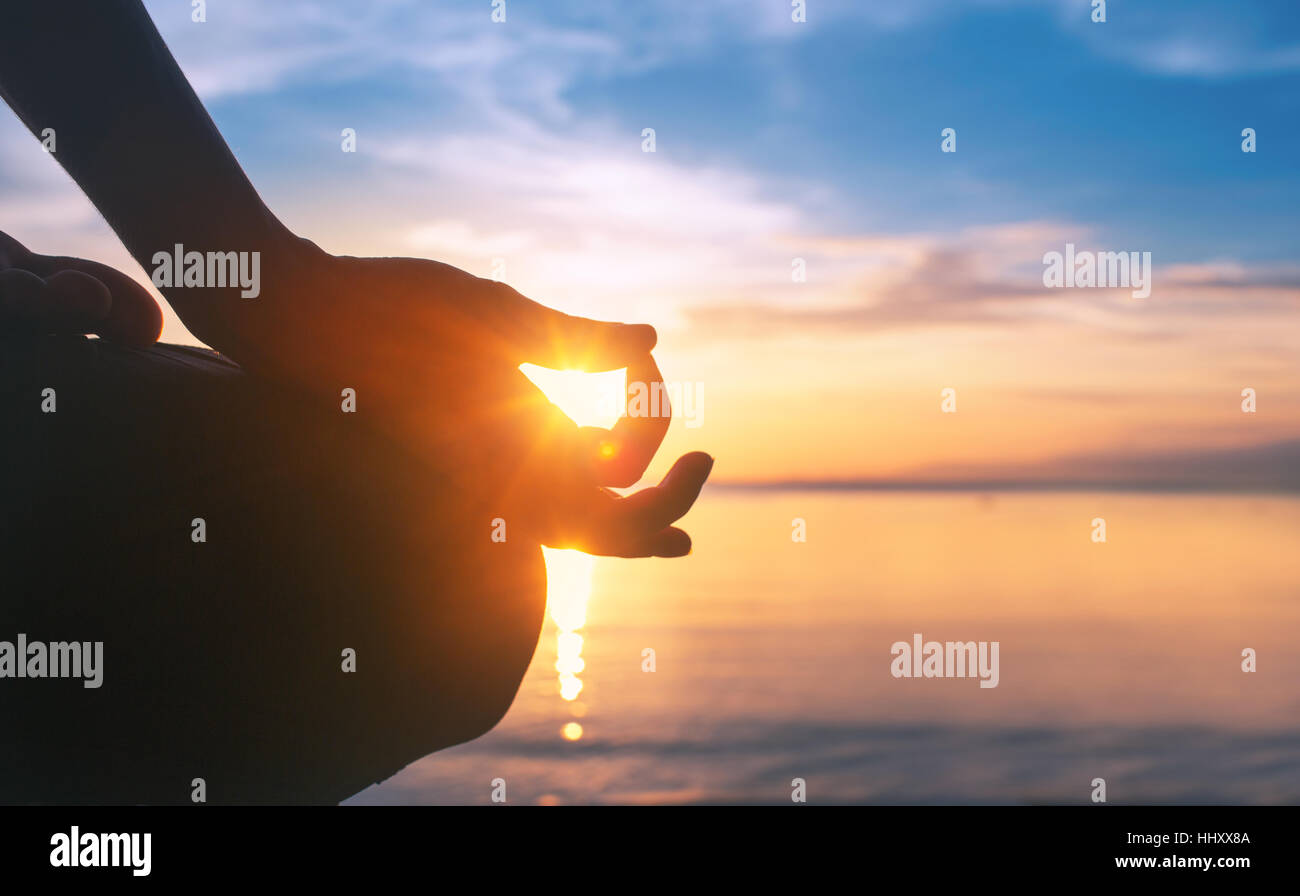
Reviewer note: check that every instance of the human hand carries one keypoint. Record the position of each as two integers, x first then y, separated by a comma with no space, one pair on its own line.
46,294
433,354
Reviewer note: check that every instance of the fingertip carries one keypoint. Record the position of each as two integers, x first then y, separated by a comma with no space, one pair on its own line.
706,463
143,329
692,465
672,542
136,319
640,337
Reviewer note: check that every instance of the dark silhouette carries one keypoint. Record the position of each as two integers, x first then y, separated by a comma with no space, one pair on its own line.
324,530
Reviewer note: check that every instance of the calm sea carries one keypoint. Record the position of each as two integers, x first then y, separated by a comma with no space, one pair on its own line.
771,658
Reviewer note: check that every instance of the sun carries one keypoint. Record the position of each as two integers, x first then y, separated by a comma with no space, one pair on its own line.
588,399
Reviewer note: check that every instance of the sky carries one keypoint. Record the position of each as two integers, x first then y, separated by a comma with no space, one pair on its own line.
516,148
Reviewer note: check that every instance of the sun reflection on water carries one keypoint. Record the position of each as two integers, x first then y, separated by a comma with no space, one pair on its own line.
589,399
568,589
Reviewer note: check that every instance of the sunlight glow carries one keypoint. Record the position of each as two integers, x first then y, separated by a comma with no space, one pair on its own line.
589,399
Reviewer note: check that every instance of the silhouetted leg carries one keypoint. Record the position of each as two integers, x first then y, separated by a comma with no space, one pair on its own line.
223,658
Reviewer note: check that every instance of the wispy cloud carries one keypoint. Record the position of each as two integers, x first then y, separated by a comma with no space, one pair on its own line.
993,275
1203,39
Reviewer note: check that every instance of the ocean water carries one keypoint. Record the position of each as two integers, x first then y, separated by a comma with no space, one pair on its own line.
1119,660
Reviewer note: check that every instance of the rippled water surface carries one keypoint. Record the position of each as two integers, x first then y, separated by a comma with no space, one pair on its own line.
771,658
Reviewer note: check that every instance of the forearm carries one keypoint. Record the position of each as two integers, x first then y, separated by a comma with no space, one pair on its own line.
132,133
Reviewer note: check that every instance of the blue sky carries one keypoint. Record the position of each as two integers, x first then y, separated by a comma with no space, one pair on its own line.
520,143
1129,127
1057,117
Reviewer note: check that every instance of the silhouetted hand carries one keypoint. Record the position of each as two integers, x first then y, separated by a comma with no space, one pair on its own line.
50,294
433,354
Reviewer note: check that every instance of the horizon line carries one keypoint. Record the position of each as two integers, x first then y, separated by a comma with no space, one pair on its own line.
1004,485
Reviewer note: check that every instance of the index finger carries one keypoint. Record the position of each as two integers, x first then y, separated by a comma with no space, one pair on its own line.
560,341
